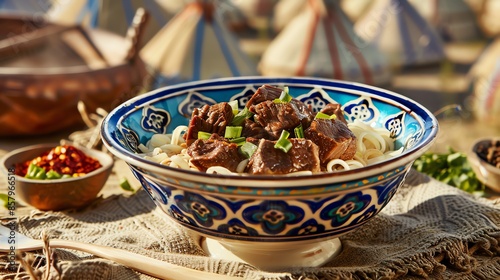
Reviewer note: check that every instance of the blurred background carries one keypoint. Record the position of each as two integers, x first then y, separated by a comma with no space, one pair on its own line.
65,63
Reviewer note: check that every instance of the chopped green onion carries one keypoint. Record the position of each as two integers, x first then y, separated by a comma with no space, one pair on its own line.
285,96
41,174
283,143
5,198
247,149
204,135
51,174
321,115
125,185
299,132
239,141
233,132
234,106
241,116
35,172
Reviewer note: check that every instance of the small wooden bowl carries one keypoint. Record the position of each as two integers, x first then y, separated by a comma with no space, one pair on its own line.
56,194
42,79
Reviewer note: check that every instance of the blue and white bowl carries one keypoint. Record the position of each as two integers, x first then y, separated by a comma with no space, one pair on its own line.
271,213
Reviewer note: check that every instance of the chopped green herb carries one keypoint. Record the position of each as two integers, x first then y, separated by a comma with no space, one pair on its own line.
239,119
247,149
452,168
233,132
51,174
283,143
5,199
285,96
234,106
239,141
204,135
299,132
36,172
125,185
321,115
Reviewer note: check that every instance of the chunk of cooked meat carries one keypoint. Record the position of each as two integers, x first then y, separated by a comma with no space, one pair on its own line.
304,155
275,117
263,93
253,129
213,152
334,139
334,108
211,119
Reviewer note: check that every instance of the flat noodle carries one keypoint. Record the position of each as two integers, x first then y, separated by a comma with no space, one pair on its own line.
179,162
299,173
334,162
359,157
241,166
177,135
371,154
171,149
219,170
355,164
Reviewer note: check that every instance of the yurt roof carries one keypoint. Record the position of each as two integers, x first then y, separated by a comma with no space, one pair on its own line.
401,33
355,9
487,12
321,41
113,15
195,45
487,61
454,20
285,10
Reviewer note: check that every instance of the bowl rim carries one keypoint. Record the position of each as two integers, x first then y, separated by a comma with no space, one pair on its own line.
105,159
429,121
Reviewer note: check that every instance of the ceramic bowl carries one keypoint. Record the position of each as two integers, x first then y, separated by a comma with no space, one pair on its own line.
59,194
487,173
270,221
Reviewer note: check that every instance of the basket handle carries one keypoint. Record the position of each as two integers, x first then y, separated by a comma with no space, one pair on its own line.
135,33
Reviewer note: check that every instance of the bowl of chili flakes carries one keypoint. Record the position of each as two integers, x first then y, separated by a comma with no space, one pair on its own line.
57,177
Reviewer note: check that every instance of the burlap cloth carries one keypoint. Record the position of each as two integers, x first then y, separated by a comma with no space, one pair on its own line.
428,230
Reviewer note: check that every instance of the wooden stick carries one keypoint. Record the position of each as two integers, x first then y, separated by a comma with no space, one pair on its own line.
30,40
84,48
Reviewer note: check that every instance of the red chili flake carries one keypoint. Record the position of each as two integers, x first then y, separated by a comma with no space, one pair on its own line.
64,159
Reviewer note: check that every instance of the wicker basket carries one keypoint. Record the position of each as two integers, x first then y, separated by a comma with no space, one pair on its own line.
40,86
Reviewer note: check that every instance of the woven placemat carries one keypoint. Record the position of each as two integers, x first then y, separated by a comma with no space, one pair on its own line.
429,229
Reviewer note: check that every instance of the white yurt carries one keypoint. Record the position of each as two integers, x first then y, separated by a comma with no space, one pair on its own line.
454,20
487,12
114,15
259,12
321,42
355,9
401,33
196,45
485,77
286,10
486,96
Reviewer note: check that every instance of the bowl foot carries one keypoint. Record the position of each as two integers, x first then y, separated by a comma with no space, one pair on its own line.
274,256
